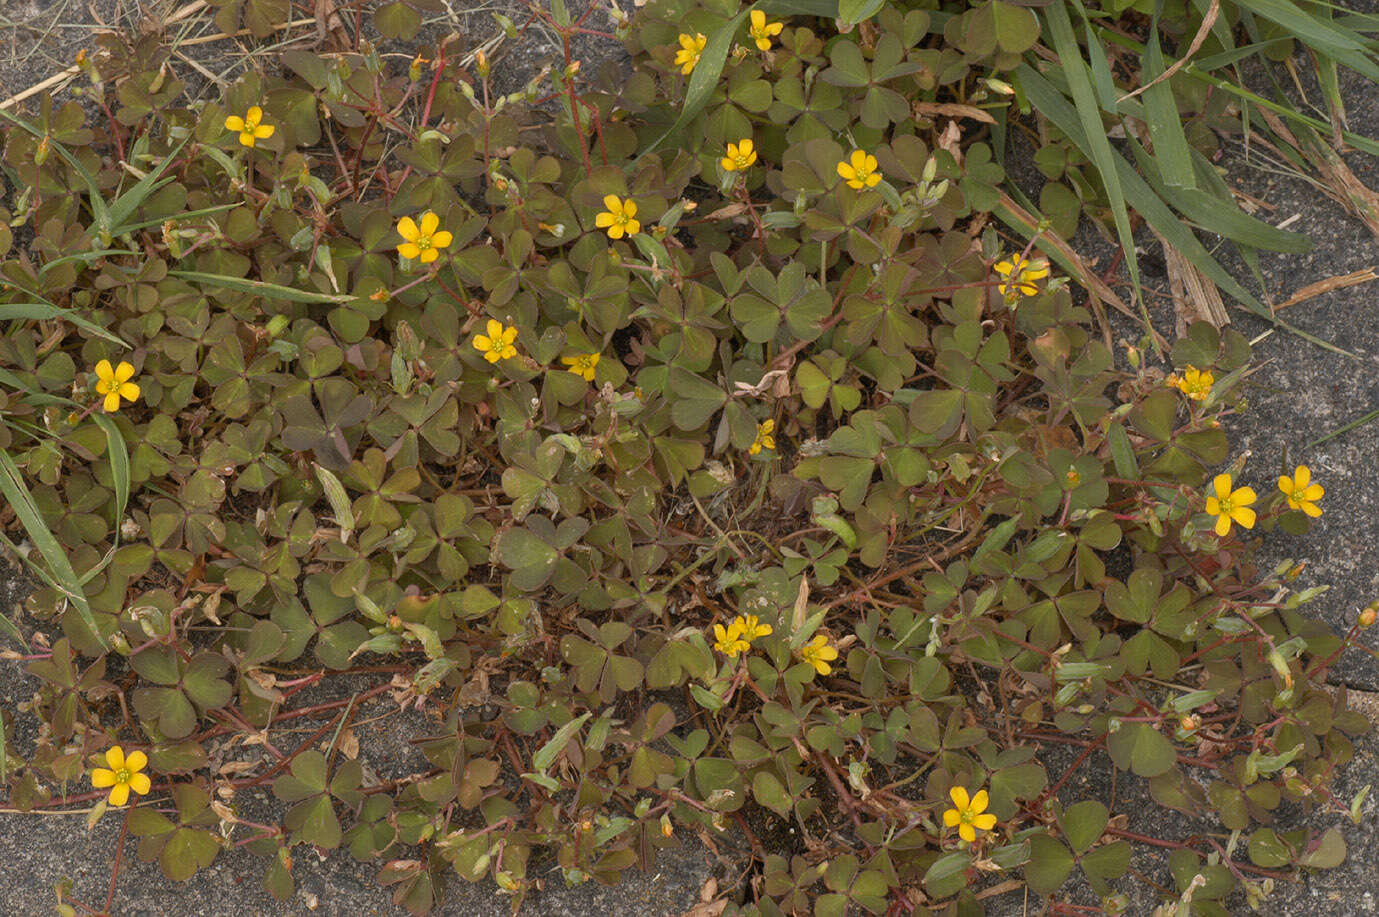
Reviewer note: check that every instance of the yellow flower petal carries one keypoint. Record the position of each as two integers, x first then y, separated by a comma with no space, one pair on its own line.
129,391
979,801
758,20
633,227
234,123
255,114
407,228
1222,485
264,131
1313,492
509,335
140,784
112,402
136,761
494,328
1301,475
960,798
429,223
1223,526
442,239
246,139
102,778
124,372
967,833
429,255
1245,516
951,818
985,822
119,794
104,371
409,250
114,757
1244,496
1311,509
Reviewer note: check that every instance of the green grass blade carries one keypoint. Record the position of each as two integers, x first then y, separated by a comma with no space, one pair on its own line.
1214,215
37,311
1359,141
704,79
124,206
262,288
1052,105
1165,123
63,577
1093,131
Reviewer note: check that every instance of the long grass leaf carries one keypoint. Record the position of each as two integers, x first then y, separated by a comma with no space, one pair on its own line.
63,577
261,287
1165,122
704,78
1052,105
1221,217
123,207
37,311
1093,131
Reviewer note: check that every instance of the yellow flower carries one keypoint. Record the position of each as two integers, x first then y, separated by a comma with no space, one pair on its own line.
582,364
766,438
619,218
113,383
1195,383
1020,275
728,641
860,170
967,817
740,156
690,50
123,775
761,30
819,654
497,344
1300,493
250,127
752,628
1227,504
423,241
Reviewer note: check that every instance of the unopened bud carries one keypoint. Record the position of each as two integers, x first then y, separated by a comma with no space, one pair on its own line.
394,624
1367,616
481,63
1190,722
667,829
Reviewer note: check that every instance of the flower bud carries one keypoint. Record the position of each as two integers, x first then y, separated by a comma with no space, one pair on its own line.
667,829
1367,616
278,324
481,63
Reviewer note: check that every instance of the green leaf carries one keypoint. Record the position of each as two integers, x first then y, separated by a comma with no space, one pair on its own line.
767,790
1048,866
1327,853
947,875
1268,850
187,851
546,754
1083,824
852,12
694,399
1141,748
